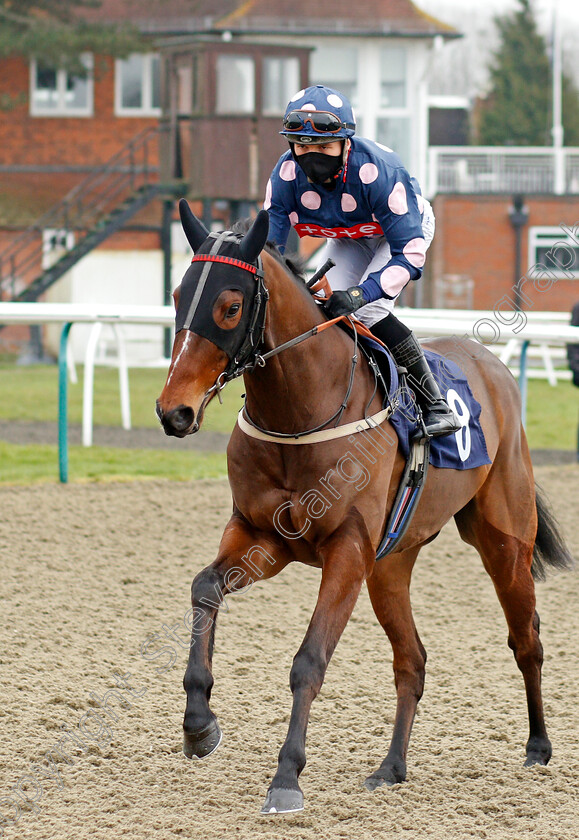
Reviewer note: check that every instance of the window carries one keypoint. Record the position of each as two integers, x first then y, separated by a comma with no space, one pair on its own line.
235,84
336,67
281,80
55,244
393,77
556,250
393,117
394,132
184,77
56,92
138,85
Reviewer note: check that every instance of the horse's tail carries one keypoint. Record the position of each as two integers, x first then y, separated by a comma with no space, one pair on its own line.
550,549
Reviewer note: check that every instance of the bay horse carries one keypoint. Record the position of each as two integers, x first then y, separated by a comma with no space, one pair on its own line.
301,493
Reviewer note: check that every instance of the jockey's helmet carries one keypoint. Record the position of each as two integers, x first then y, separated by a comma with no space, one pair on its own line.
318,114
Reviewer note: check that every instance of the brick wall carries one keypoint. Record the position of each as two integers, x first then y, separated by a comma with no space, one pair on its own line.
474,237
62,141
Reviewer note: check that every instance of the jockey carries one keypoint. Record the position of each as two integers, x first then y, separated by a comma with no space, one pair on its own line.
356,194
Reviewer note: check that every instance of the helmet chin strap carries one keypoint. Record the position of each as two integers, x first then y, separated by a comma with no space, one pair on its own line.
345,156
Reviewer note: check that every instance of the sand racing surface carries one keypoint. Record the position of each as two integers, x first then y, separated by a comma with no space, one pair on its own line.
94,586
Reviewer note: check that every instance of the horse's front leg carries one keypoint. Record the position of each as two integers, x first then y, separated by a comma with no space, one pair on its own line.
346,557
245,555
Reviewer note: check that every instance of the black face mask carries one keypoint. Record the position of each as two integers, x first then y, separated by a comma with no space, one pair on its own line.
201,286
320,167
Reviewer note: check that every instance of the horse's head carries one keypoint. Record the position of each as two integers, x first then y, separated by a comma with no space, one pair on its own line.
220,313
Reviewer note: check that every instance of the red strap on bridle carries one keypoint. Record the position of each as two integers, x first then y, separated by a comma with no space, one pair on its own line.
228,260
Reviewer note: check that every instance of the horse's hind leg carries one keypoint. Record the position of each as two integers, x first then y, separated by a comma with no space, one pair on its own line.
389,587
244,557
501,523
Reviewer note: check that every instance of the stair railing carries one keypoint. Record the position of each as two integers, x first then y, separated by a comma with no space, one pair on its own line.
87,205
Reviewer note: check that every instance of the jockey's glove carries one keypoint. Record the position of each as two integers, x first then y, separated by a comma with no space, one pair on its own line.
344,302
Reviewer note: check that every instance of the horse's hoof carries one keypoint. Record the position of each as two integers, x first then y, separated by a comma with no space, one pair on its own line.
538,752
283,801
203,742
541,758
385,776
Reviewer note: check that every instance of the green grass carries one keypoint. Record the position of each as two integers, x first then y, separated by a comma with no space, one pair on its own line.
31,394
552,415
39,464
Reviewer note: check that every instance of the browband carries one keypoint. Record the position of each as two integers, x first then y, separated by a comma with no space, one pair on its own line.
219,258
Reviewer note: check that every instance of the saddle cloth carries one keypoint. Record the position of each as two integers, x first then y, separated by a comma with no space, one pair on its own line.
462,450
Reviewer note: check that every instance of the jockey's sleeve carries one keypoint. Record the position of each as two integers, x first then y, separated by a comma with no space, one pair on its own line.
279,226
395,206
279,223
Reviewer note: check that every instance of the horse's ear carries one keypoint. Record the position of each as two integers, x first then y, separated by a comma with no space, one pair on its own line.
195,231
252,243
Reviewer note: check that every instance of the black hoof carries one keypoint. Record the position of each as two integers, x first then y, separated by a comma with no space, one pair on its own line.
385,776
202,743
282,801
538,752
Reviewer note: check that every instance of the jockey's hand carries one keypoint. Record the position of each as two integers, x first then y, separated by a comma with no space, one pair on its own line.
345,302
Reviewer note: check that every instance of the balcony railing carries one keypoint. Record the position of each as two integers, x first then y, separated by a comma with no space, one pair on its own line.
503,169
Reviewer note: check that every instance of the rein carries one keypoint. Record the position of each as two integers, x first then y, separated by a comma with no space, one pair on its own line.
337,415
248,358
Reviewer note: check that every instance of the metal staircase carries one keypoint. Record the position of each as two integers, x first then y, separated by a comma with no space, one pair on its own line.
89,213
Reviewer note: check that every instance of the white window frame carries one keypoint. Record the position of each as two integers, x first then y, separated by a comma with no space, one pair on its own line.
550,237
147,109
367,95
366,100
355,49
394,112
404,50
280,107
250,62
62,110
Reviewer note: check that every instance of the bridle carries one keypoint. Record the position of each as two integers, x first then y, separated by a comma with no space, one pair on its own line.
248,357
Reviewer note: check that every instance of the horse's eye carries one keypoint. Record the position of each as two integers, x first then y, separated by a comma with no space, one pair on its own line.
233,310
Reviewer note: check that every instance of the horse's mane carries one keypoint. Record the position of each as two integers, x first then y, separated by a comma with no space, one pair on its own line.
294,263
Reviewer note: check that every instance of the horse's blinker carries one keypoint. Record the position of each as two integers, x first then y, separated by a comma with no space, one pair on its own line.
198,296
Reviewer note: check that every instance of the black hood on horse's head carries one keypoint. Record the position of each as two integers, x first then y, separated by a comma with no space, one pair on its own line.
252,243
204,281
194,229
201,286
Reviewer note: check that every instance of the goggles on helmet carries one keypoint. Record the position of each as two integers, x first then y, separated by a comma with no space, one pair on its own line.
324,122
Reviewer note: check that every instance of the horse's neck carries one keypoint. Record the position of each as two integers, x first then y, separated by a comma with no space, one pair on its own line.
303,385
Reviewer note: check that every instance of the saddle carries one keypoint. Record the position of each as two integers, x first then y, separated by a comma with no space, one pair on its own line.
464,450
417,459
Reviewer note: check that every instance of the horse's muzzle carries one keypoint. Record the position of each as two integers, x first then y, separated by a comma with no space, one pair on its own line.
179,421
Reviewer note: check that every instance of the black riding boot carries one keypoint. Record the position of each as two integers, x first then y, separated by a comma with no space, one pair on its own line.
438,418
